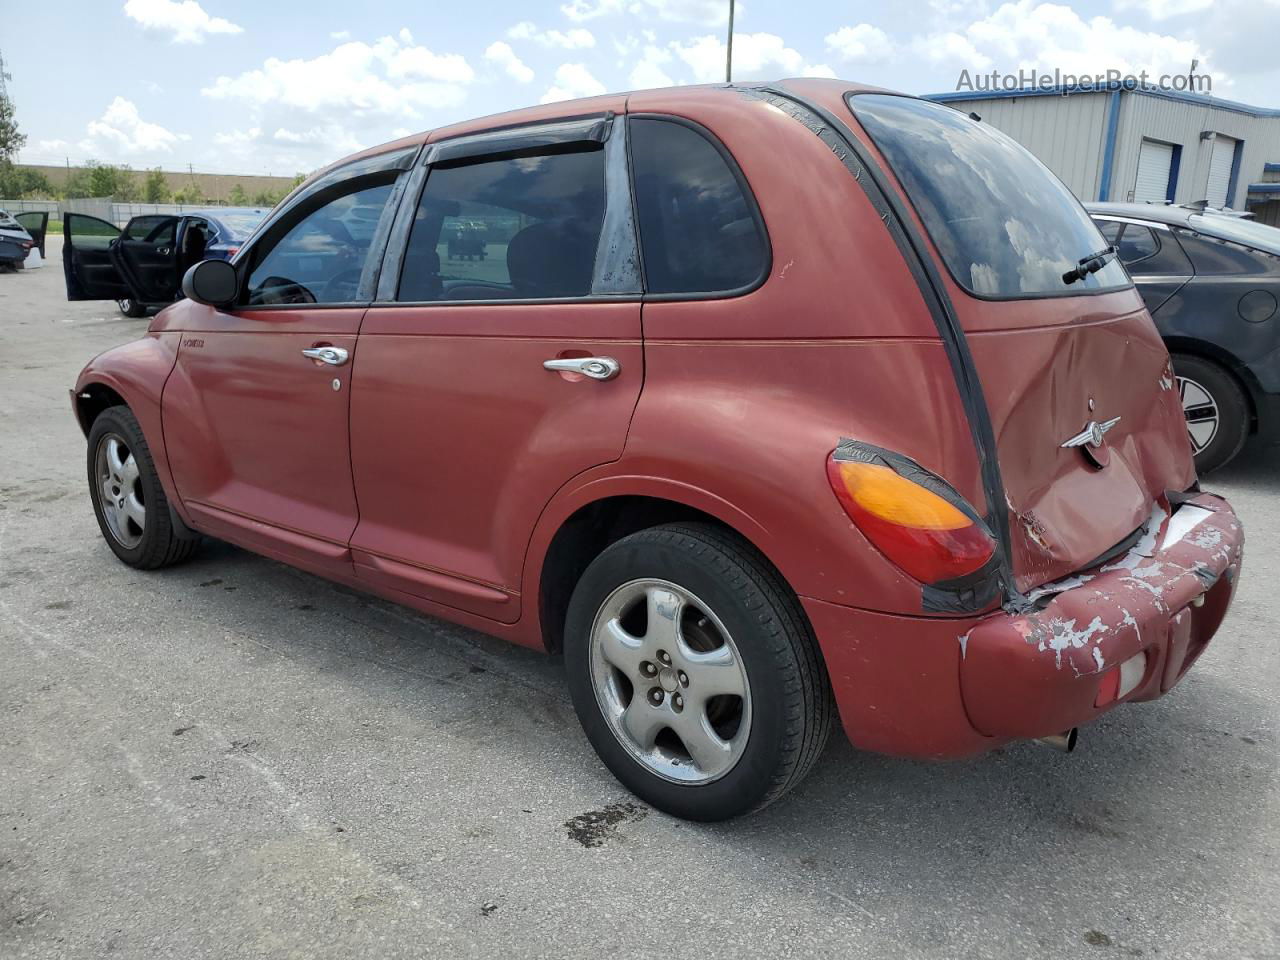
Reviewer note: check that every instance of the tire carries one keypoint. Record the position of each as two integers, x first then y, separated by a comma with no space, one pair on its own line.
742,628
131,308
120,466
1216,408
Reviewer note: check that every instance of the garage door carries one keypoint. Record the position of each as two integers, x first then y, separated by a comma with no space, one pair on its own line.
1220,162
1154,161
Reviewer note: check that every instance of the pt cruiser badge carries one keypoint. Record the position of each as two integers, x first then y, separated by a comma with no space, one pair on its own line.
1091,439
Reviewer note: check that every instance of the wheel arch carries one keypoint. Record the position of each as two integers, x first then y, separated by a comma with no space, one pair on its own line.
91,399
581,525
1230,365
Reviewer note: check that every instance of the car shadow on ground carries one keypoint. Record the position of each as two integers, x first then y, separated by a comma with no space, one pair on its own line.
1257,468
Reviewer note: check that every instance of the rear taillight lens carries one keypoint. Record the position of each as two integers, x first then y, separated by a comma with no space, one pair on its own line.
927,535
232,251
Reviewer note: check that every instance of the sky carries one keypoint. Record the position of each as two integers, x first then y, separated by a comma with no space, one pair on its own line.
279,87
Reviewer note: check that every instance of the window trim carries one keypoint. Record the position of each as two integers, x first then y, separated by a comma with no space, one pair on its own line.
531,137
753,207
393,261
883,164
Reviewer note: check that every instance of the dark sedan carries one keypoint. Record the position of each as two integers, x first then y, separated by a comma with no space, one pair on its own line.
142,265
1211,282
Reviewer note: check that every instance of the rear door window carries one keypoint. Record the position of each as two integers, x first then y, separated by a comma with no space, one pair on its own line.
700,230
1006,227
514,228
1152,253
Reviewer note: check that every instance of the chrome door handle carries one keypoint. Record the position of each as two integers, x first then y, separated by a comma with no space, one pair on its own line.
331,355
597,368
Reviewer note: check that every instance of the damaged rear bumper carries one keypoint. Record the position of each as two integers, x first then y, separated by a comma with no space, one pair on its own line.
1155,609
905,686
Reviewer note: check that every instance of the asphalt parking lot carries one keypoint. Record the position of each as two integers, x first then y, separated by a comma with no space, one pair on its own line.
235,759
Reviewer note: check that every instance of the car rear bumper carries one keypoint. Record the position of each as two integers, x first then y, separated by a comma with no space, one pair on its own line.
944,688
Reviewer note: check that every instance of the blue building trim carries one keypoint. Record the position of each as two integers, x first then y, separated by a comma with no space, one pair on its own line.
1175,165
1198,99
1271,168
1109,146
1264,188
1235,172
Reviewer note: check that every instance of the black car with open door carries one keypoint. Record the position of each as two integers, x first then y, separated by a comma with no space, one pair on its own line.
36,223
141,266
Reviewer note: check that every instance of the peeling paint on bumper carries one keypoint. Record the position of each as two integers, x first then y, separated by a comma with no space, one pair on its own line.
1040,673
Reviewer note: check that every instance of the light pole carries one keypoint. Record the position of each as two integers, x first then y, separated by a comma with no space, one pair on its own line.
728,57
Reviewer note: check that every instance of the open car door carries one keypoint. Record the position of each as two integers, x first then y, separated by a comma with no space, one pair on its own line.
87,260
35,223
146,256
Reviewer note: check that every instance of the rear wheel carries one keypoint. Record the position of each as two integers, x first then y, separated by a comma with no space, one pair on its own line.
131,308
694,672
131,507
1216,410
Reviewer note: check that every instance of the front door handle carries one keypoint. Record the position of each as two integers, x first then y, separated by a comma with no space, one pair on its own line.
335,356
597,368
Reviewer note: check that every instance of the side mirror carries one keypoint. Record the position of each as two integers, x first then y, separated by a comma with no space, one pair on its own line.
211,282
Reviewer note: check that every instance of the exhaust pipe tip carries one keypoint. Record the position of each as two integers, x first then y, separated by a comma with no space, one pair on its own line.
1066,742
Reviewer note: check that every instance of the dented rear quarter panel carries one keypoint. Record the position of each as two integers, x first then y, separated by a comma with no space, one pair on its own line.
747,396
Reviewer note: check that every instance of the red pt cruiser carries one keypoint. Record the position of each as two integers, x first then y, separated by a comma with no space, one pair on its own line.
757,403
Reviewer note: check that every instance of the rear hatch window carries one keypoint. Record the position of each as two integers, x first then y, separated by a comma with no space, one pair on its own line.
1005,226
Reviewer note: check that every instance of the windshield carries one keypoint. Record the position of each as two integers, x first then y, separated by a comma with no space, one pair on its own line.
1249,232
1005,226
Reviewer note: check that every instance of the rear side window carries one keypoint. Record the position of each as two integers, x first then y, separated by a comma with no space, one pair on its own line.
700,232
1151,253
1005,226
516,228
1214,257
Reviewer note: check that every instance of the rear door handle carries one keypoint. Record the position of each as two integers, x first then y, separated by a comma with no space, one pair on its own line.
335,356
597,368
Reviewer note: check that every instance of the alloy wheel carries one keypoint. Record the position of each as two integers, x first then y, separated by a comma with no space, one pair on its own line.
1201,411
120,490
670,681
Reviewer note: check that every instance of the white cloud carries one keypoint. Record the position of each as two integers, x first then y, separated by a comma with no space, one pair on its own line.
755,56
392,76
121,132
572,80
340,35
1047,36
707,12
862,42
648,70
1164,9
187,20
502,54
576,38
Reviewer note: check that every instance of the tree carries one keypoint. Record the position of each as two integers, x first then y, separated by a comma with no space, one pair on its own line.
156,187
23,182
103,180
11,139
237,197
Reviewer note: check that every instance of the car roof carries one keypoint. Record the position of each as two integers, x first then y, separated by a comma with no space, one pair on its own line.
1156,212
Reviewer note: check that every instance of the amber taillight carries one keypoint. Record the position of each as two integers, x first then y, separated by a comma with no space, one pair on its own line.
927,535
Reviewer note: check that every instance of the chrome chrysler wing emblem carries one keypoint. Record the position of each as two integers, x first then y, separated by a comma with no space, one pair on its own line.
1093,433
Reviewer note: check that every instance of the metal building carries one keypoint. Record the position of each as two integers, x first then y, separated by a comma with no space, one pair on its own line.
1144,144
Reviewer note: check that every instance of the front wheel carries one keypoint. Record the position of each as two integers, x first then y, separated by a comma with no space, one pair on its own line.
131,507
131,308
1215,408
694,672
